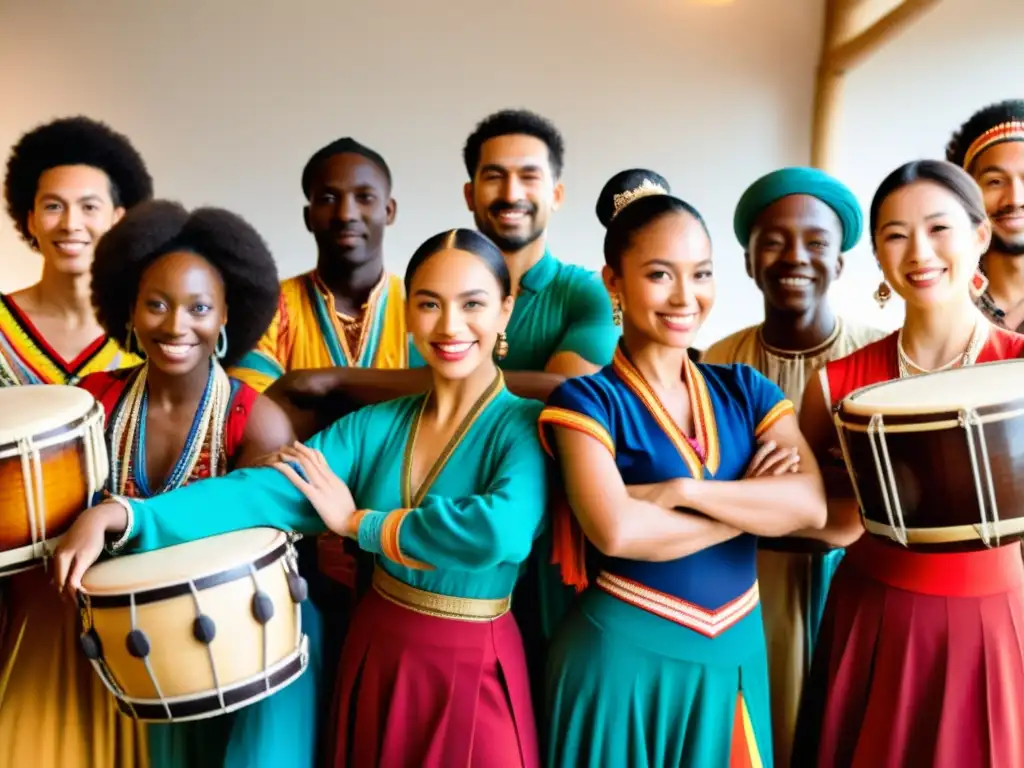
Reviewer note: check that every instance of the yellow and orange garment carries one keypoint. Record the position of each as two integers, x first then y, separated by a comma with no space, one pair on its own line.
54,710
308,332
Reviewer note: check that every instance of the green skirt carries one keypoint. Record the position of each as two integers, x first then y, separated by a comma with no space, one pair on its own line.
628,688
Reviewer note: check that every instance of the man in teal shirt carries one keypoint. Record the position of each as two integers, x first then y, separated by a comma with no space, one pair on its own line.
562,320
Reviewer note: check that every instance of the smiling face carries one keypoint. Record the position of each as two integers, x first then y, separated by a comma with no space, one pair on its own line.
513,191
350,206
794,253
179,312
927,246
73,209
455,312
999,172
666,285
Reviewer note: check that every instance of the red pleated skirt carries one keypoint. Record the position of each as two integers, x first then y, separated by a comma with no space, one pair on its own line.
919,662
417,691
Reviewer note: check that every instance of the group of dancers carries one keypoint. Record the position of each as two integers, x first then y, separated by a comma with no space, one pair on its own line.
540,527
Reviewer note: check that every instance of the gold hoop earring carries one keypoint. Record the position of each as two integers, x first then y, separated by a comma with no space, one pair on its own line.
501,347
616,310
882,294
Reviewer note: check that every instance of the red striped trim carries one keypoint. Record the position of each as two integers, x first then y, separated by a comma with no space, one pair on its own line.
1009,131
708,623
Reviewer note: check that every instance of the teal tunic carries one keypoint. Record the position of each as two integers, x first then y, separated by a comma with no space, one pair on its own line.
627,685
475,526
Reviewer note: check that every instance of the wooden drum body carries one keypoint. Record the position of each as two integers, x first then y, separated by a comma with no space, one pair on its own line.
52,461
937,460
198,629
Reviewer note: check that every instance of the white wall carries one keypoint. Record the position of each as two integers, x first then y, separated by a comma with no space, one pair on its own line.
227,99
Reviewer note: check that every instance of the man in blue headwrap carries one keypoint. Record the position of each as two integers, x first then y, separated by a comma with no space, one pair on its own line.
794,225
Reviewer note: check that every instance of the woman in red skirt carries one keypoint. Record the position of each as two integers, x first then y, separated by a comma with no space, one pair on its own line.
920,660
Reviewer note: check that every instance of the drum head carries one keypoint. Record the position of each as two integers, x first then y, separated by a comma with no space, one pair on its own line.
36,409
181,563
977,386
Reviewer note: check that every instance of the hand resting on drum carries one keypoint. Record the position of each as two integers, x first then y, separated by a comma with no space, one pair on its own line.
82,545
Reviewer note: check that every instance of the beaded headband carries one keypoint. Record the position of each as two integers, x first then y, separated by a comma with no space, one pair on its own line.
1009,131
645,189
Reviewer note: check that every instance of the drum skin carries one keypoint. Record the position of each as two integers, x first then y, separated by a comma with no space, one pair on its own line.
933,472
182,665
58,420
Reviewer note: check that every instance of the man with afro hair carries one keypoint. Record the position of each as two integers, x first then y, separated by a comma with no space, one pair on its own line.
990,146
67,183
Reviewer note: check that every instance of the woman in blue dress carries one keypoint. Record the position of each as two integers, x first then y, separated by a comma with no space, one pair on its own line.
672,469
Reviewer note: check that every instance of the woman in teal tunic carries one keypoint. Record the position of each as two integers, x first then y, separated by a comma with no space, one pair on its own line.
673,469
447,489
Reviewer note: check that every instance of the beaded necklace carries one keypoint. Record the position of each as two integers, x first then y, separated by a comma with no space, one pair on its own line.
128,434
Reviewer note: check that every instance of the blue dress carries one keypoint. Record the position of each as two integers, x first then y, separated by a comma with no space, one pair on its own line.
664,663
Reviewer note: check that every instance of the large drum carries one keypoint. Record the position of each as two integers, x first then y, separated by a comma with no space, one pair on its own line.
52,460
198,629
937,460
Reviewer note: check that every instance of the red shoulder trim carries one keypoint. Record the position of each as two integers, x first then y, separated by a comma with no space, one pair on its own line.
1002,344
107,386
242,401
868,365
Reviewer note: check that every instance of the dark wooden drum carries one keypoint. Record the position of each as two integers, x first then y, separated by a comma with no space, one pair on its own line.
937,460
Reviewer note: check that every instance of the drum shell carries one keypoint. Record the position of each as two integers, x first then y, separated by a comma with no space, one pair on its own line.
64,480
934,476
180,663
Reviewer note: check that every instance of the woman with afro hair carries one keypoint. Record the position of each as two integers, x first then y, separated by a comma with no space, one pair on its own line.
67,182
193,292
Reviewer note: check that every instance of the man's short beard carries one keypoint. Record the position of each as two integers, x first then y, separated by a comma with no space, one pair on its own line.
508,244
1001,246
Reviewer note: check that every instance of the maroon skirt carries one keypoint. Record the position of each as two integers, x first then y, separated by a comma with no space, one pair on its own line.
919,661
417,690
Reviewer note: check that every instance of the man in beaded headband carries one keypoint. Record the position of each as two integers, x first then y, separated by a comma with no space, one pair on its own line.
794,225
990,146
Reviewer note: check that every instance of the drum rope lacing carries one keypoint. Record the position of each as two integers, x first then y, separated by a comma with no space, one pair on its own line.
971,419
289,563
29,450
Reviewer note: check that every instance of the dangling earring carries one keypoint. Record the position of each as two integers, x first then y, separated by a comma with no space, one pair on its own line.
882,294
222,344
616,310
979,284
128,337
501,348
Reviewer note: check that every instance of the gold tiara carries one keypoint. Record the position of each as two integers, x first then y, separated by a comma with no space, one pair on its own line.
1009,131
646,189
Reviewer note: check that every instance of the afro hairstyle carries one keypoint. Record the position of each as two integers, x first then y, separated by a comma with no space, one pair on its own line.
509,122
73,141
983,120
155,228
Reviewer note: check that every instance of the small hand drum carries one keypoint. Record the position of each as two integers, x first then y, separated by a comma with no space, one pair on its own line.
198,629
52,460
937,460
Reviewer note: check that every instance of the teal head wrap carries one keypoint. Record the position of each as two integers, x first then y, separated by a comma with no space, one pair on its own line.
799,181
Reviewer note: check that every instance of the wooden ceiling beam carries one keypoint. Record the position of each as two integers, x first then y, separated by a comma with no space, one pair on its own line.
854,29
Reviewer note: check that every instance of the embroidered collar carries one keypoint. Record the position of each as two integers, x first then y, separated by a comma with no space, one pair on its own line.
705,428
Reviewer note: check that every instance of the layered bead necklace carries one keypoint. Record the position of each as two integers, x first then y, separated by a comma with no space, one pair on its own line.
128,435
908,367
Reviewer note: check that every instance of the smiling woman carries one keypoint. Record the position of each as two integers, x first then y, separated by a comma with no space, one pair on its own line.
189,293
447,490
